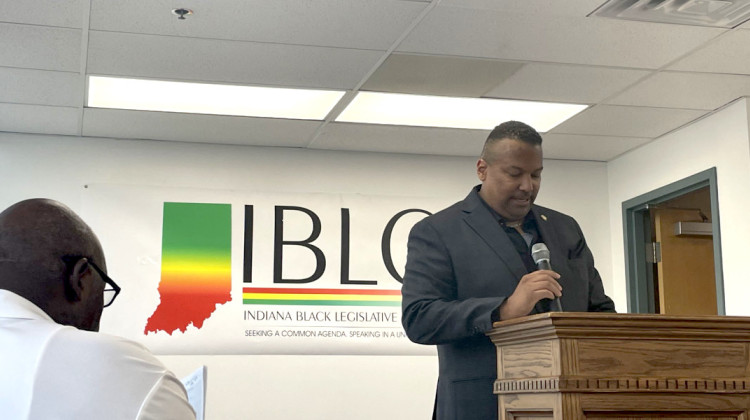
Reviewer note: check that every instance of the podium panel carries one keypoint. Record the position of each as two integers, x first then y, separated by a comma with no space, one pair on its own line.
566,365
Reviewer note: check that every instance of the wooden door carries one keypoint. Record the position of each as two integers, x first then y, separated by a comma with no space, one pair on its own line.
686,279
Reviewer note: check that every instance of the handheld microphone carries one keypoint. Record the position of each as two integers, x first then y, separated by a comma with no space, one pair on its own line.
540,254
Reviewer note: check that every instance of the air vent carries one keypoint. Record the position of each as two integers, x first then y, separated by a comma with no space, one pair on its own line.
714,13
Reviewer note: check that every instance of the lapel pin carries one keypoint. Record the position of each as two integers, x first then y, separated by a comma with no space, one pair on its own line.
544,217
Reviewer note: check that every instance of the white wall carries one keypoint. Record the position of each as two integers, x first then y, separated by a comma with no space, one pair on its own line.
290,387
721,140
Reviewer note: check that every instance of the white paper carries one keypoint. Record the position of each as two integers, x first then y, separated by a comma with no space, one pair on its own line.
195,384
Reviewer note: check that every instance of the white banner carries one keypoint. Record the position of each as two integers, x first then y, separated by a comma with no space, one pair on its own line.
223,272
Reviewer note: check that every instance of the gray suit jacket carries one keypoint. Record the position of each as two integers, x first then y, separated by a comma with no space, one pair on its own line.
460,267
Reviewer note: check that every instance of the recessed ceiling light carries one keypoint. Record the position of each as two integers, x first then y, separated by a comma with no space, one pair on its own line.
203,98
452,112
715,13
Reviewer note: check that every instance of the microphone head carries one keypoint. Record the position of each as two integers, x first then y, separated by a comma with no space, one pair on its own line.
539,252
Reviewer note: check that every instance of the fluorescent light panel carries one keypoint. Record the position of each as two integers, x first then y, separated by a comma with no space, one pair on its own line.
367,107
201,98
450,112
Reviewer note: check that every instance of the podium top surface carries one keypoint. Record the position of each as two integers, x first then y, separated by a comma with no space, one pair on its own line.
583,325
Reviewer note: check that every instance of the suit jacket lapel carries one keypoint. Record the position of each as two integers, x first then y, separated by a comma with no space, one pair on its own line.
549,236
486,227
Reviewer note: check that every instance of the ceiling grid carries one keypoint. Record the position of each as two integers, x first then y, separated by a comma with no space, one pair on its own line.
639,79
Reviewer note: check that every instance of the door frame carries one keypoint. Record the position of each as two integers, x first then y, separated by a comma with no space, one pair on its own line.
639,276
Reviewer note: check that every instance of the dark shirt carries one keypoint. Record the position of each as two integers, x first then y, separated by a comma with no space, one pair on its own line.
522,247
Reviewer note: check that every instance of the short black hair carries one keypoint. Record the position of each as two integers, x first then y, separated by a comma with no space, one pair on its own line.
514,130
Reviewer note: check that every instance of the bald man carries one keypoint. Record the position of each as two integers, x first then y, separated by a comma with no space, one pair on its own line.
54,364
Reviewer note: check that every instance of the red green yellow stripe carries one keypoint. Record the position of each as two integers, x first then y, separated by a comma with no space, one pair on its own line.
196,265
324,297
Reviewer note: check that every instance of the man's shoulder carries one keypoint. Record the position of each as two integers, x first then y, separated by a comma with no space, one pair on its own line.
130,378
450,211
453,216
457,209
445,216
99,348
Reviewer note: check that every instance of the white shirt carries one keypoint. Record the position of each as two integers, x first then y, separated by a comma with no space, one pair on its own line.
54,372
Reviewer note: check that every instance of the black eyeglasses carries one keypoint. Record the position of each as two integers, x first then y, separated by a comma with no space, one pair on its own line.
111,292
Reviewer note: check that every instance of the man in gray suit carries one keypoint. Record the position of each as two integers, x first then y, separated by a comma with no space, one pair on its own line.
470,265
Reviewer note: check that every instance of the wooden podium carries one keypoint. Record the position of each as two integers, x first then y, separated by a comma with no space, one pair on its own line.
570,365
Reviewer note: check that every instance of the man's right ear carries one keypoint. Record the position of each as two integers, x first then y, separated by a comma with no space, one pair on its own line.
481,169
74,281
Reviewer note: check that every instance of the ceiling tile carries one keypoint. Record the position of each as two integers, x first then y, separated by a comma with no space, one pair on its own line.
39,47
565,83
198,128
434,75
395,139
41,87
336,23
63,13
529,50
176,58
560,39
537,7
584,147
728,54
18,118
685,90
627,121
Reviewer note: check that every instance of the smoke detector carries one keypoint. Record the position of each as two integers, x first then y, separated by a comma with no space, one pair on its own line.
182,13
714,13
